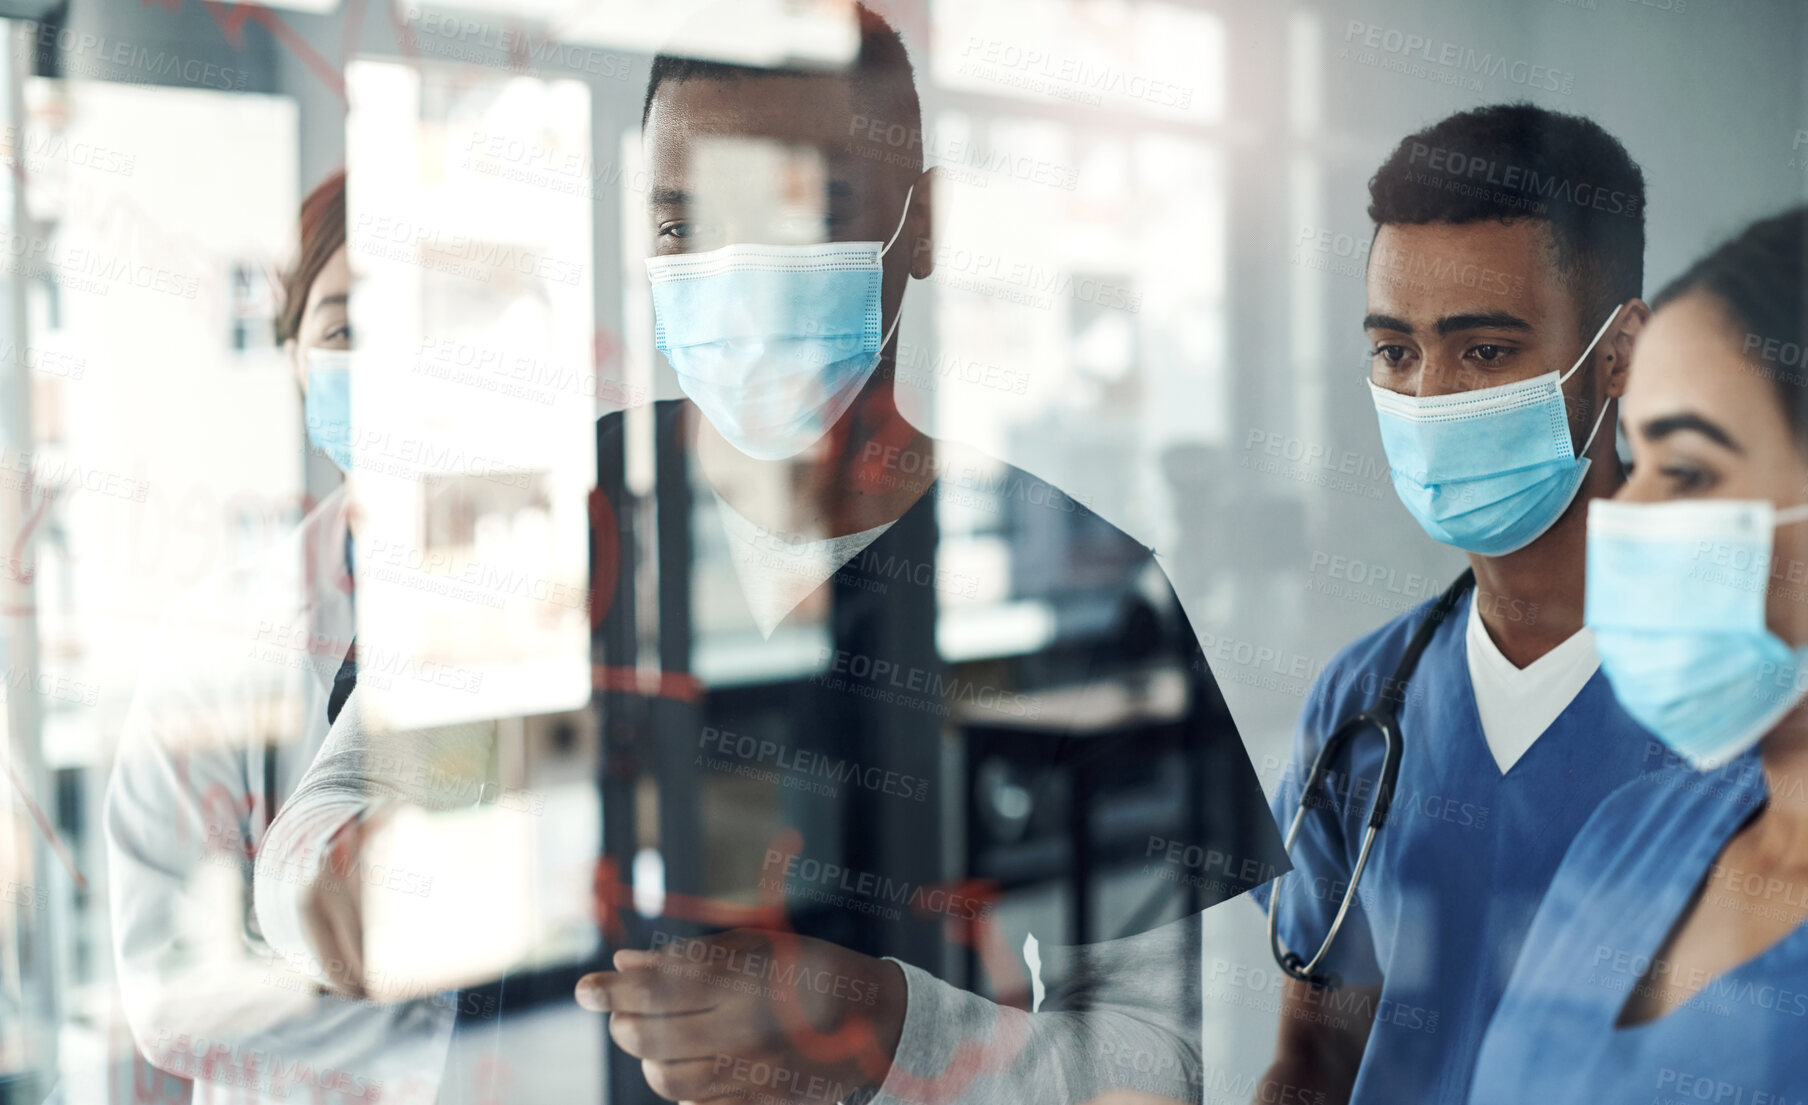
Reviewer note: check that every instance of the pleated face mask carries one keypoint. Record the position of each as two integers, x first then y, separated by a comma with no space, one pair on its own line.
1676,595
773,343
328,405
1487,470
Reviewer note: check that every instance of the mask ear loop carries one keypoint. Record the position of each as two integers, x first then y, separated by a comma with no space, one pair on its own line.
895,319
909,192
892,329
1563,379
1597,429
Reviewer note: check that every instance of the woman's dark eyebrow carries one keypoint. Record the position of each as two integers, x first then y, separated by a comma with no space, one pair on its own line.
1660,428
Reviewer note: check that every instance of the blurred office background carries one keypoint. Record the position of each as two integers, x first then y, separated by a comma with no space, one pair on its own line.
1149,292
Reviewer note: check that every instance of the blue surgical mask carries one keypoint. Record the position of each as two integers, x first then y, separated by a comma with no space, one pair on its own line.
1487,470
773,343
1676,601
328,406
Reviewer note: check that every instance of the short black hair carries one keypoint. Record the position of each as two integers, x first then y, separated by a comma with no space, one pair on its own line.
1760,277
883,79
1520,161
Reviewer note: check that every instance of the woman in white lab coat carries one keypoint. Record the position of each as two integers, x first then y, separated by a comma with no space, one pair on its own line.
230,710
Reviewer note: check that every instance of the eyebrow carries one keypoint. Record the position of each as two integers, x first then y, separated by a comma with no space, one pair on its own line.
1452,324
1485,320
326,301
1659,428
670,197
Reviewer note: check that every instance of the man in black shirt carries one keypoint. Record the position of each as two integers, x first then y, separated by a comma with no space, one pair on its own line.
851,778
843,769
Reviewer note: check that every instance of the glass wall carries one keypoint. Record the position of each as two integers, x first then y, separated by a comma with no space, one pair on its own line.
1132,346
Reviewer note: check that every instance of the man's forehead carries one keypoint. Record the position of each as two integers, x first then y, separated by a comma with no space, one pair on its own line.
1523,244
792,109
1425,272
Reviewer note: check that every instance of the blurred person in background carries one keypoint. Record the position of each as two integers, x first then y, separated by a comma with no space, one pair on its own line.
228,714
784,237
1503,300
1670,960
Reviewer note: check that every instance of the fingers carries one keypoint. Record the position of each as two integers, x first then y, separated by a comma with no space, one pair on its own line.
629,959
351,946
686,1080
765,1081
772,1078
686,1036
344,847
662,1039
334,911
666,990
339,953
699,1015
592,992
335,925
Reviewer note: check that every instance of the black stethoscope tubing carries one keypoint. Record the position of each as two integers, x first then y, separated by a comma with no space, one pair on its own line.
1382,715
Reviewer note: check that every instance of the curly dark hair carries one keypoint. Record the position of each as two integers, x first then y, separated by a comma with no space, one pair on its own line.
1521,161
1760,277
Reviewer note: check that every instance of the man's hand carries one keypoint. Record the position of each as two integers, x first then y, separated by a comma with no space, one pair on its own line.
1316,1058
755,1017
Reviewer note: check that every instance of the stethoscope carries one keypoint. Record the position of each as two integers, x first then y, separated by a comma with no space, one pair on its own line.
1383,717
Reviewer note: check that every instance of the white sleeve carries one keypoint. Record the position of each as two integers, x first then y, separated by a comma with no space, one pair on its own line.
175,830
1128,1019
358,772
204,997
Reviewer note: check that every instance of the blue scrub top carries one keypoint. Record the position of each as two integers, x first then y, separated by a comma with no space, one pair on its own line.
1741,1040
1460,866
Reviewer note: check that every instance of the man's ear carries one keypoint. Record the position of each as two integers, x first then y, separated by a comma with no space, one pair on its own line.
1616,361
919,226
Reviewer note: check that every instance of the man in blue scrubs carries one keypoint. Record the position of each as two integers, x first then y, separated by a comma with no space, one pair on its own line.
1503,300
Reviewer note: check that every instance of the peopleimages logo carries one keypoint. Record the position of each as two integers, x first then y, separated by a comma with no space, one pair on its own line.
1069,78
451,36
230,1062
785,870
87,54
1683,1086
1632,966
891,678
788,973
1518,178
1464,62
733,751
1198,857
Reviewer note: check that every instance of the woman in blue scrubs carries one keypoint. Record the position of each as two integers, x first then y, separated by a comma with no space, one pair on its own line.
1669,961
